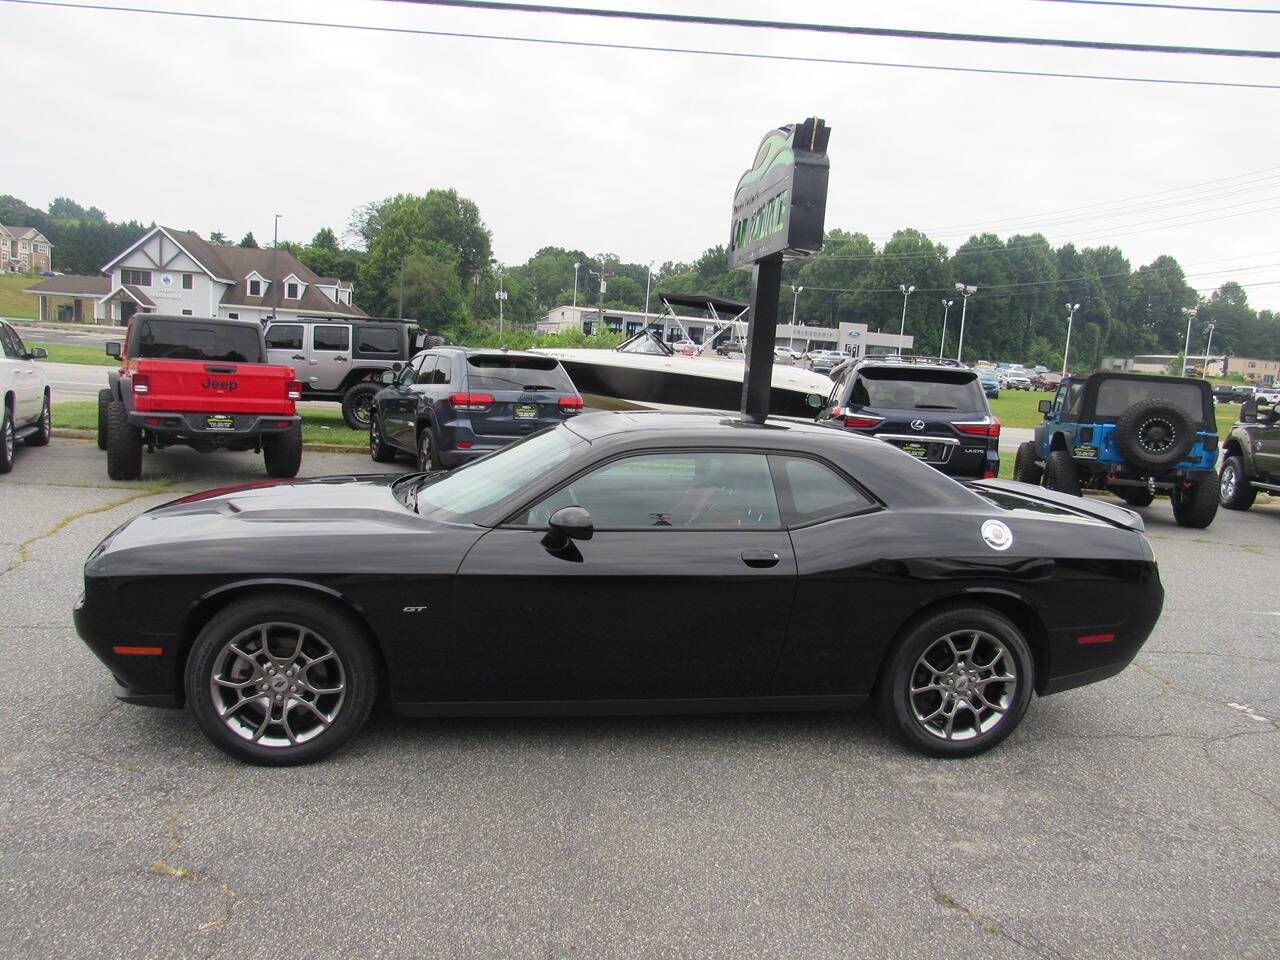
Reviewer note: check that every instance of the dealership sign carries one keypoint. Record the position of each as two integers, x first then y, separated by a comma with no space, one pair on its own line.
780,205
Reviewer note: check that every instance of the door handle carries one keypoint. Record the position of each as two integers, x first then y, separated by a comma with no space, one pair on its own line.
760,558
339,359
297,356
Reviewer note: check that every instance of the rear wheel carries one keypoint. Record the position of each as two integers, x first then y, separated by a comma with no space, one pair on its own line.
282,452
124,444
281,680
1135,496
357,405
1197,505
379,452
1026,469
104,407
1060,473
428,454
45,430
1234,490
957,683
8,446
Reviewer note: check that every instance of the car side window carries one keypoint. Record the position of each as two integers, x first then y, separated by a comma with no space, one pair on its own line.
13,348
422,369
704,490
1073,402
284,336
330,338
443,371
810,491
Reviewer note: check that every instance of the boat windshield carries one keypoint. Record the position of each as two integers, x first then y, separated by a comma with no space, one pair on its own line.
646,341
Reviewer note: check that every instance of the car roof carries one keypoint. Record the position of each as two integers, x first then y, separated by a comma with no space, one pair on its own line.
484,352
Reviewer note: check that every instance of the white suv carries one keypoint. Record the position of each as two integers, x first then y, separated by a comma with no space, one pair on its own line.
26,396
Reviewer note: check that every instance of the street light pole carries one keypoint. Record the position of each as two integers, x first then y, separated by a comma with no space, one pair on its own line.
575,283
500,296
1191,313
795,302
275,281
906,292
1071,315
1208,347
966,291
946,308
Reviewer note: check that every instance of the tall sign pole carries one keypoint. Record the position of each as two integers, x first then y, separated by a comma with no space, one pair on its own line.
779,213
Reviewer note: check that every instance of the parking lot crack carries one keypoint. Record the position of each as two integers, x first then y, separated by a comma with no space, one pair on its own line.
988,924
24,548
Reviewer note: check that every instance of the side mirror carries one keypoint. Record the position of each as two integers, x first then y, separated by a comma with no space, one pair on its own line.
814,401
38,353
1045,406
113,349
388,376
1249,411
566,524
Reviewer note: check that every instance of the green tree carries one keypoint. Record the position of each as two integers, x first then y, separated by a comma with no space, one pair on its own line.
325,239
248,241
218,238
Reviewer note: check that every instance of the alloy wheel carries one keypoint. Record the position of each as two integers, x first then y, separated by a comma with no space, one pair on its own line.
277,685
424,450
1227,484
1157,435
8,438
363,411
963,685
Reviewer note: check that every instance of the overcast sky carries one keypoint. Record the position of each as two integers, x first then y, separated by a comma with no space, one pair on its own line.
213,125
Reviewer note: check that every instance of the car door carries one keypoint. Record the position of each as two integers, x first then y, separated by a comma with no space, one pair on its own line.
398,408
329,357
286,348
684,590
1267,453
28,385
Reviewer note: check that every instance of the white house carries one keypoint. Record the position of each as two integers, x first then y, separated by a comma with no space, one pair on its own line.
178,272
24,250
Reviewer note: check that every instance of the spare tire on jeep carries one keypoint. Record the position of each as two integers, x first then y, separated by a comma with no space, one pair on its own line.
1155,434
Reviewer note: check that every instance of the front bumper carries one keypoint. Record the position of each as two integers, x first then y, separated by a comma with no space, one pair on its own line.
146,678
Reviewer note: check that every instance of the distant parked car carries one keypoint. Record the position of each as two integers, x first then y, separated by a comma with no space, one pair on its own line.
1269,395
1233,392
686,347
25,392
450,405
785,355
1046,381
824,361
990,383
1015,380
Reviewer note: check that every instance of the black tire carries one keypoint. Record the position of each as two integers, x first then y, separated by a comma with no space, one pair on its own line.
428,452
289,735
1154,434
977,726
1197,505
8,445
124,444
1234,490
1026,466
1134,496
41,437
282,452
357,405
379,451
1060,473
104,404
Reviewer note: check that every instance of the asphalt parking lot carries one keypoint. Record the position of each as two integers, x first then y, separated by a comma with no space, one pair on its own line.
1133,818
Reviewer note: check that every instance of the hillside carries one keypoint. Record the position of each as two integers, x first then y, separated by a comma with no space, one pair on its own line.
13,302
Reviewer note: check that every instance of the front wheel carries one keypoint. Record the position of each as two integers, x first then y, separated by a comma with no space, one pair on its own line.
1060,473
428,454
1026,468
379,452
281,680
45,429
957,683
104,411
1235,492
1196,506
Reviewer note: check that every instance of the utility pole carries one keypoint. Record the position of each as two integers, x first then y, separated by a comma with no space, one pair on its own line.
400,311
275,281
946,308
966,291
1071,315
600,318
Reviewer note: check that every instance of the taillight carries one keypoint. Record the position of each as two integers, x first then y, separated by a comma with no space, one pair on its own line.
141,383
989,474
471,401
855,420
987,427
570,403
294,390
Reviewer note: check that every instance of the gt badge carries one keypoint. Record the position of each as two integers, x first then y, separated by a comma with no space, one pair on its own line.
996,535
413,609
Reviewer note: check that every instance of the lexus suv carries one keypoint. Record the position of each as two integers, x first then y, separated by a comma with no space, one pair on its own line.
450,405
931,408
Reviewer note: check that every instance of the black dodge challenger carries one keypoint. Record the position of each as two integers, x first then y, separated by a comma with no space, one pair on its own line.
621,563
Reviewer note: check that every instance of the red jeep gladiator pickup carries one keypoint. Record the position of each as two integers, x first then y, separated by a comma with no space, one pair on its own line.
199,383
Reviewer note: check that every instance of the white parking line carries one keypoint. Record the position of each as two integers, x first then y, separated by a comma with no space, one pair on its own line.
1248,711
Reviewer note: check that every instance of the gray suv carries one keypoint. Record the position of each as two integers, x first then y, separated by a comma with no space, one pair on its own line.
343,358
450,405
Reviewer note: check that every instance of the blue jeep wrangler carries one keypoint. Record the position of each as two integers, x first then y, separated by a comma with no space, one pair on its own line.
1132,435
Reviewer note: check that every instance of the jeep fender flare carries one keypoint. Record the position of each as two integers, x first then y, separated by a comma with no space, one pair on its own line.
1059,441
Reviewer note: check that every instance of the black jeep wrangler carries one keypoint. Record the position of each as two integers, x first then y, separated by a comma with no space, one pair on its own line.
1251,457
1133,435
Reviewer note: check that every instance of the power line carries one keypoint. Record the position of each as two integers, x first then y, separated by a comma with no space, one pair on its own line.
642,48
896,33
1191,8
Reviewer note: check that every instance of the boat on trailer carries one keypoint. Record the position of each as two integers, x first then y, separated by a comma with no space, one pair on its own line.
645,370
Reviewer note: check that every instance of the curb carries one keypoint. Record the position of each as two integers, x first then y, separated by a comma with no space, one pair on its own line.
67,433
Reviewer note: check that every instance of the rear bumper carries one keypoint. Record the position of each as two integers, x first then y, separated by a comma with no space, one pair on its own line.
197,424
